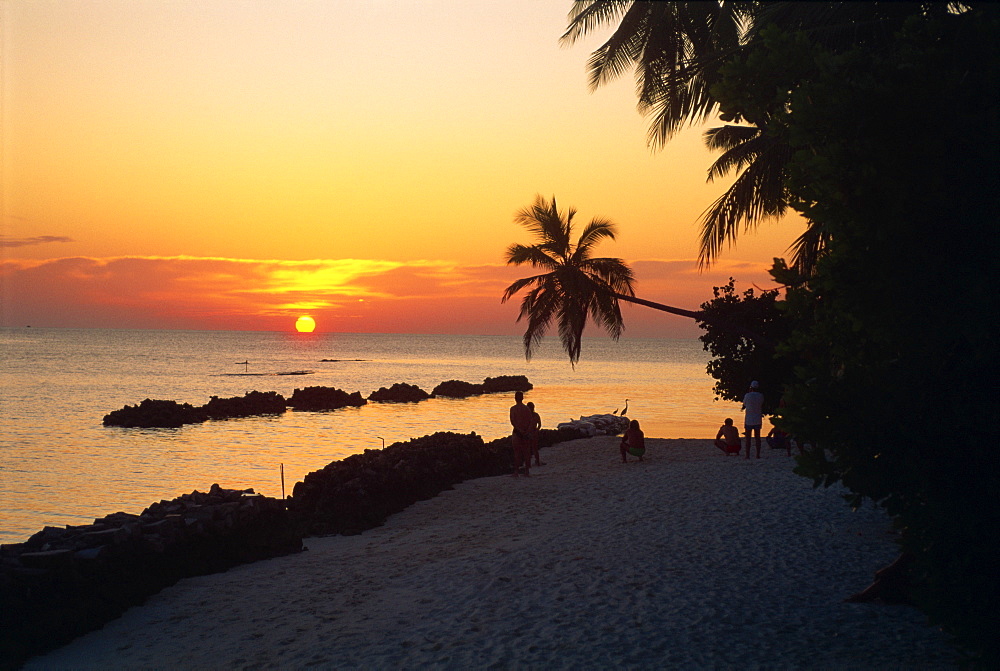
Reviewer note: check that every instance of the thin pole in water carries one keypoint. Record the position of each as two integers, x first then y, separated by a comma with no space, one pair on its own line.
282,481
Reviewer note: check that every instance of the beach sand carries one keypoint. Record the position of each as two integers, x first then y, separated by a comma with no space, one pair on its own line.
690,559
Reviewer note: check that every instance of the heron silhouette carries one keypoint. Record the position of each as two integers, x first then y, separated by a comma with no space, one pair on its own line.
624,410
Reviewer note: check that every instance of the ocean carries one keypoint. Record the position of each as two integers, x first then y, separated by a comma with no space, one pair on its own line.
60,465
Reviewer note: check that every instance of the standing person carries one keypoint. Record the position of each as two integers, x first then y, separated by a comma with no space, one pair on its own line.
753,404
522,420
633,442
728,438
535,432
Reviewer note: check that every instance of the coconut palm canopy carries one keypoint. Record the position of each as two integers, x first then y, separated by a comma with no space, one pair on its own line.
574,285
680,52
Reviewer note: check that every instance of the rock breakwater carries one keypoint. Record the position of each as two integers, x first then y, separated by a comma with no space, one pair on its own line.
63,582
361,491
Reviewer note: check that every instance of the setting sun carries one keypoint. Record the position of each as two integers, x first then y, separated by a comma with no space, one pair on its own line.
305,324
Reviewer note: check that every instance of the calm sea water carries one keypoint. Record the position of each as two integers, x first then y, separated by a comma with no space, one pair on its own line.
60,465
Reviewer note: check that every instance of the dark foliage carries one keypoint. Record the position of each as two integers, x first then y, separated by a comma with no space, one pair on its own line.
737,358
895,162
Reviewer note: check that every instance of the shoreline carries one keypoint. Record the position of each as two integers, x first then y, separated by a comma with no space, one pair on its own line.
688,559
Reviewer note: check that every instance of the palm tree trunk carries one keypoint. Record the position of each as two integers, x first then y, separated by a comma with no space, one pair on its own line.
690,314
699,315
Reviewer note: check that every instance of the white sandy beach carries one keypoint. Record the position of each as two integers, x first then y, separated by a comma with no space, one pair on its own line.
690,559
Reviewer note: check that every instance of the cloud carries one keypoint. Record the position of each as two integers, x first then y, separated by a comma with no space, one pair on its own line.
358,295
6,242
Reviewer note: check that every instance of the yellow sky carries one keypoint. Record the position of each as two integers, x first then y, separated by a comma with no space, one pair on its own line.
376,131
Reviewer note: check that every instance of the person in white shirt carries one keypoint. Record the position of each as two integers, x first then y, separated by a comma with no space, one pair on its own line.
753,404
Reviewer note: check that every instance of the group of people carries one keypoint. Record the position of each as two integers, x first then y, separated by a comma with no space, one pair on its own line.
527,424
728,437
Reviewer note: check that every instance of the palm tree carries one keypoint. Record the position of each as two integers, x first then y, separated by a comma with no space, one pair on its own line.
575,285
676,50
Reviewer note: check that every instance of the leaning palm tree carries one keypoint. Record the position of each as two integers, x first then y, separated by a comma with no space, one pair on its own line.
574,286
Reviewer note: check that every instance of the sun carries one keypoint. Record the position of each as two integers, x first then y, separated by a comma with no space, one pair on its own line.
305,324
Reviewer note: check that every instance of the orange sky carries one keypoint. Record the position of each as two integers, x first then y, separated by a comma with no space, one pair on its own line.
233,165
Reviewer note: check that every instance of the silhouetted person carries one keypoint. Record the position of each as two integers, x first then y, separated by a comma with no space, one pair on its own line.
779,440
753,420
522,419
633,442
535,433
728,438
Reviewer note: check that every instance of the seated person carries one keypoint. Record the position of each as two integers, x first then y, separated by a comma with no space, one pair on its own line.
779,440
728,438
633,442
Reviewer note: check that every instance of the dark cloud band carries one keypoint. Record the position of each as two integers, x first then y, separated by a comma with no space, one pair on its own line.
37,240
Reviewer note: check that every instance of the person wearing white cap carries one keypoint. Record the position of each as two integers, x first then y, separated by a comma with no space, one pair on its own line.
753,404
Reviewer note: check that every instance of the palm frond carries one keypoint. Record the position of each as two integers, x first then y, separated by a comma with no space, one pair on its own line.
807,249
520,284
613,274
606,311
758,193
534,255
730,136
742,148
540,307
572,322
624,48
542,219
598,229
588,15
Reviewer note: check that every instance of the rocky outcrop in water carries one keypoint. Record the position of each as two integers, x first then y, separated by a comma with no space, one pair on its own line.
507,383
458,389
156,414
63,582
399,393
171,414
491,385
253,403
324,398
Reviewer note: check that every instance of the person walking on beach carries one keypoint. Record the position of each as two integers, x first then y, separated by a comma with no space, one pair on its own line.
633,442
728,438
535,433
522,419
753,404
